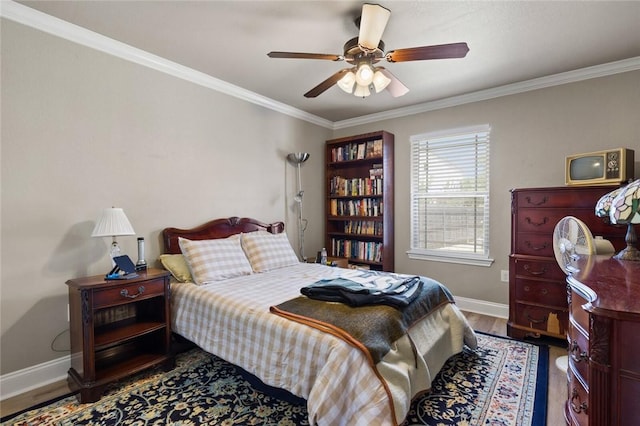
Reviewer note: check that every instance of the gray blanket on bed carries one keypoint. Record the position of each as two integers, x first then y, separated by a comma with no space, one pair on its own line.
372,328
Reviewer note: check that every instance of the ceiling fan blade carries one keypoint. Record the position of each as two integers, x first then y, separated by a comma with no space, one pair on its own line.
320,88
295,55
372,24
441,51
395,88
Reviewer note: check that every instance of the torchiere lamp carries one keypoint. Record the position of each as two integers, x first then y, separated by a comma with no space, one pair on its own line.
297,158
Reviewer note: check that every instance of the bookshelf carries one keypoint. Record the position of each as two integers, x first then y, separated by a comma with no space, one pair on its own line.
359,202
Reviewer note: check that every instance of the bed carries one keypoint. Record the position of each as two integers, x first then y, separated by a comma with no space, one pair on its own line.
228,313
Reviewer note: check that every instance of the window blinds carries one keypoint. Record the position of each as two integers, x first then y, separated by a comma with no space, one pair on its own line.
450,191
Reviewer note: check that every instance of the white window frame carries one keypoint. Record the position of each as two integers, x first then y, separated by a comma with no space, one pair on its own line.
478,137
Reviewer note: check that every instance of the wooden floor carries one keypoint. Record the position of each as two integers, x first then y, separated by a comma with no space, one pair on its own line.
557,394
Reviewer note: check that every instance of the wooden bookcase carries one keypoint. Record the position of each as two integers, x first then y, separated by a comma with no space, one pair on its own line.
359,201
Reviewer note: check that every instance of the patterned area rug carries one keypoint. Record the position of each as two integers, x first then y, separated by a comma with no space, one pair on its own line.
502,382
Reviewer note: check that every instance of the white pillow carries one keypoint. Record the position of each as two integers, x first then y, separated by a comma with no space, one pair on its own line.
267,251
214,260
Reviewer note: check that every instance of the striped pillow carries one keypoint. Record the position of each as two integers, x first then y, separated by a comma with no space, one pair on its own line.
214,260
267,251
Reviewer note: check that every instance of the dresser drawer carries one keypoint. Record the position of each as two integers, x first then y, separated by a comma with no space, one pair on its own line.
535,244
542,318
539,220
579,315
565,197
543,269
541,292
578,401
578,352
126,292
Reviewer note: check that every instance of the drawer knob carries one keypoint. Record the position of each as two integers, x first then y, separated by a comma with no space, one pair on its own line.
583,356
125,293
531,222
582,406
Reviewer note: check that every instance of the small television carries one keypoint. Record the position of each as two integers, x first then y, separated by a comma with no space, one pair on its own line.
609,167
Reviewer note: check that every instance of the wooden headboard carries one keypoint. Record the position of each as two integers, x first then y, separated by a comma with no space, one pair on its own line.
217,228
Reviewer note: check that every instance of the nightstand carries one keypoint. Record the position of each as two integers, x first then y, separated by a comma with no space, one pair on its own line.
117,328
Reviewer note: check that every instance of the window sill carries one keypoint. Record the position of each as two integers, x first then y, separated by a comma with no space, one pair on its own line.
450,258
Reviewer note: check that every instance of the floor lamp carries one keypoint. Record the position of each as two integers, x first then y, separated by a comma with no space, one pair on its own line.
297,158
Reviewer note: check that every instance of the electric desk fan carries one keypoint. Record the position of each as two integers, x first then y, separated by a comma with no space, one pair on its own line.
571,240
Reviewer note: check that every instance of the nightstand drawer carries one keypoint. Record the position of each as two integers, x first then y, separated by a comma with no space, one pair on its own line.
125,293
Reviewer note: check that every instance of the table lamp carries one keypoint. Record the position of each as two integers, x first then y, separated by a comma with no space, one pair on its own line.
112,223
622,206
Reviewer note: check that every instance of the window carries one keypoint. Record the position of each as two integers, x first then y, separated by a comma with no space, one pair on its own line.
450,196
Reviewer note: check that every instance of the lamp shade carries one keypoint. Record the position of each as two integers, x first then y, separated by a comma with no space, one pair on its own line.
346,83
625,206
361,91
364,75
380,81
112,222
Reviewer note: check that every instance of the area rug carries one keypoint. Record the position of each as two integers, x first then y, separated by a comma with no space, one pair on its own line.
502,382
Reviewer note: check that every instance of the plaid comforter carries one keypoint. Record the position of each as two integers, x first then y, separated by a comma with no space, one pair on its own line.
231,319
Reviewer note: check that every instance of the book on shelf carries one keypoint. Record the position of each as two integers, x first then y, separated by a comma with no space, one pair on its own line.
342,187
357,151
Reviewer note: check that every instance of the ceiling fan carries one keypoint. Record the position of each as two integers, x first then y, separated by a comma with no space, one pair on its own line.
366,50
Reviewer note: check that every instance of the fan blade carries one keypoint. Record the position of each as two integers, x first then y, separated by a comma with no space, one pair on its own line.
395,88
294,55
372,24
320,88
441,51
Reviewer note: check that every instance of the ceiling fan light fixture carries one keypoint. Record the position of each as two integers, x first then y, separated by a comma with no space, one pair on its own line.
361,91
346,83
380,81
364,75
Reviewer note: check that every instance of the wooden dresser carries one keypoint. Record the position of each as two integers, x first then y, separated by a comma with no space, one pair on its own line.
537,287
604,343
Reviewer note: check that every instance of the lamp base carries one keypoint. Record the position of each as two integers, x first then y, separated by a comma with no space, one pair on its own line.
629,253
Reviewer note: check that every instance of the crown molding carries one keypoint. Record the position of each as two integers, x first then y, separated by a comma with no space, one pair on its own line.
631,64
74,33
63,29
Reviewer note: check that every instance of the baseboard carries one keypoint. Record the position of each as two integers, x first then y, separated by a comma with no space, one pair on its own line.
21,381
30,378
483,307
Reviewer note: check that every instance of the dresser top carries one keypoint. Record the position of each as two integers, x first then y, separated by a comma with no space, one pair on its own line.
611,285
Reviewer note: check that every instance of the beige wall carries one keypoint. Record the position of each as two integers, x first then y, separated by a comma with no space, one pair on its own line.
82,130
531,133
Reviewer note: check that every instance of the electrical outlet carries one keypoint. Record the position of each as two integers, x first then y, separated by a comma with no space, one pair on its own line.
504,276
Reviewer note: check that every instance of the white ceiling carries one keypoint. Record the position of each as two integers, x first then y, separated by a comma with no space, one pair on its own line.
509,42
